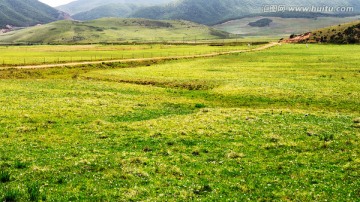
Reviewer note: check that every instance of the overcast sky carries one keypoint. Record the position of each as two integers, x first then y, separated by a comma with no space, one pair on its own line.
56,2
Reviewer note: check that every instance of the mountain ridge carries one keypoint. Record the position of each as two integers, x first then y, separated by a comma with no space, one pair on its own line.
213,11
80,6
207,12
110,10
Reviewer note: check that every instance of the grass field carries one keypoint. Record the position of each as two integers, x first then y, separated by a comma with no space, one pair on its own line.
47,54
276,125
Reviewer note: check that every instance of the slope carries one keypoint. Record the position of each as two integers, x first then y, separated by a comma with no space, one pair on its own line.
112,30
22,13
214,11
348,33
87,5
109,10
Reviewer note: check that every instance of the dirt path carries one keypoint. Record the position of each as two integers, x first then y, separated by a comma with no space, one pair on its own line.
140,59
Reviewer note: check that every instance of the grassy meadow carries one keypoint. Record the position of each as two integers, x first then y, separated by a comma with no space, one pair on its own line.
281,124
50,54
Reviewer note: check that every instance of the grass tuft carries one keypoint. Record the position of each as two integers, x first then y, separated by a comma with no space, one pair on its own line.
327,137
200,105
11,195
4,176
20,165
235,155
203,190
34,192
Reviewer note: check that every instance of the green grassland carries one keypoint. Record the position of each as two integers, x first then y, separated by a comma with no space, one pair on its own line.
32,55
112,30
275,125
281,27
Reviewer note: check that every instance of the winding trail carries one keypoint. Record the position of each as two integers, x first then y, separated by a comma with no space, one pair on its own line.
269,45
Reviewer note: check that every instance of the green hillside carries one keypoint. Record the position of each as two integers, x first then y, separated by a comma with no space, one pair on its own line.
214,11
201,11
110,10
80,6
348,33
112,30
24,13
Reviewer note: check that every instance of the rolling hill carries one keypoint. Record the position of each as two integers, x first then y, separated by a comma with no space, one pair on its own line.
23,13
348,33
111,30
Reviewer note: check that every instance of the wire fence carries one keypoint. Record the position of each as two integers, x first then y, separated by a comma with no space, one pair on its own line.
185,40
23,61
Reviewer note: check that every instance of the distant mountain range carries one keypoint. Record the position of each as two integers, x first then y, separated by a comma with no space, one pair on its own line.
214,11
23,13
200,11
